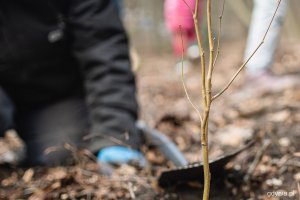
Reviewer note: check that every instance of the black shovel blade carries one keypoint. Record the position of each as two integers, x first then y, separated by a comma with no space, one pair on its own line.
194,172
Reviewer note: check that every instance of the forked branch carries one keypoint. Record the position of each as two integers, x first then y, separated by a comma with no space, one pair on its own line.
199,43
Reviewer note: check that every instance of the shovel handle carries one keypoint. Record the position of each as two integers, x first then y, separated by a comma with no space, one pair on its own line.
164,144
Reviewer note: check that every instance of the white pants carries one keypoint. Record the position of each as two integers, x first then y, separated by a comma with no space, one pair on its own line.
261,16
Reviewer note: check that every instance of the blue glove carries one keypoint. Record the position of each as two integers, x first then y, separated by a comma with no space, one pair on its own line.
121,155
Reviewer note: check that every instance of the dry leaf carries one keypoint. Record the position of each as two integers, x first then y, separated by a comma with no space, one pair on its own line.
28,175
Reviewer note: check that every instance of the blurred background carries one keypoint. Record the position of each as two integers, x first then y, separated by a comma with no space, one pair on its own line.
145,23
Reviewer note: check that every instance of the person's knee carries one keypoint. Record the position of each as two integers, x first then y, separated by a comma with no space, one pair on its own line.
47,130
52,151
48,157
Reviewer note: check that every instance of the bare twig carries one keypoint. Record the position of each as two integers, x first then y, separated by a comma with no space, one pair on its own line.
191,10
219,33
293,163
183,83
250,57
112,139
130,189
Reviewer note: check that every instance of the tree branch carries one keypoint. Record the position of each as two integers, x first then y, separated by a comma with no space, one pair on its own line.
219,34
183,83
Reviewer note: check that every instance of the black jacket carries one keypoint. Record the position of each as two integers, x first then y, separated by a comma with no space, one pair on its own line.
53,49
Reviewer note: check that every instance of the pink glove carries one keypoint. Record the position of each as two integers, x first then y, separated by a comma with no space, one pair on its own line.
178,13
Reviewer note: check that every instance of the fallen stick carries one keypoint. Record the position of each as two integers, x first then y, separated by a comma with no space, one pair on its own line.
256,160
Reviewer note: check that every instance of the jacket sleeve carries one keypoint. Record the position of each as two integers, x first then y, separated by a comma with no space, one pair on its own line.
100,45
